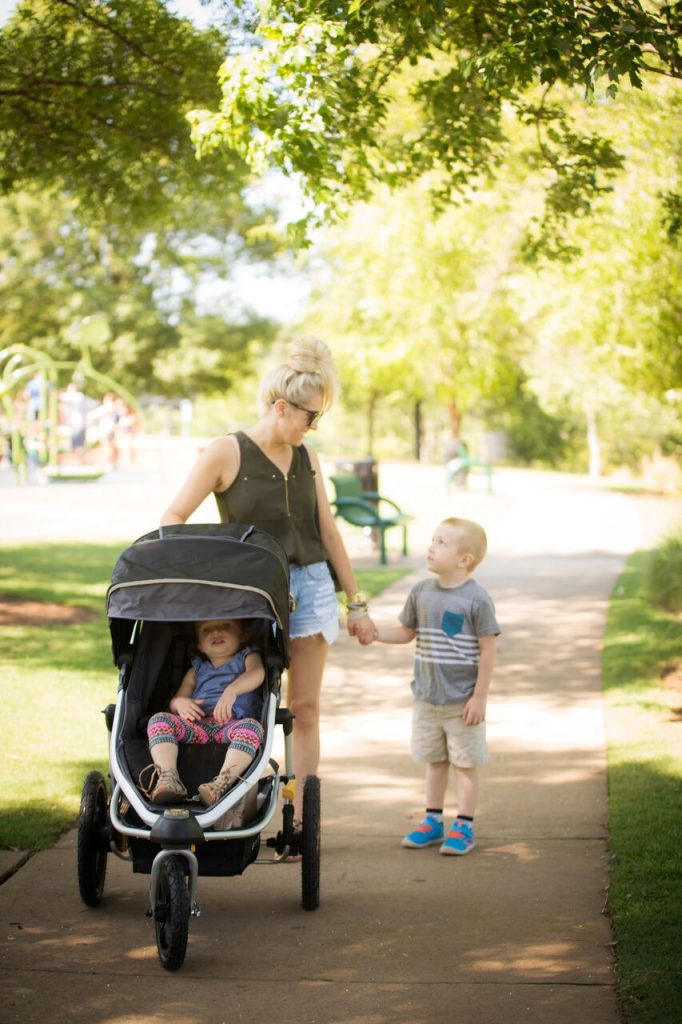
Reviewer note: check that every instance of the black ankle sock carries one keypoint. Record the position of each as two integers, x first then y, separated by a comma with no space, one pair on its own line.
435,812
464,817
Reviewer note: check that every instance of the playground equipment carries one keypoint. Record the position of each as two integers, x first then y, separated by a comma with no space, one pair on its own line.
19,365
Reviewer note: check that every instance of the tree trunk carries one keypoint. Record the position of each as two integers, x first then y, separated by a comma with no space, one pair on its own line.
417,430
371,406
456,417
593,443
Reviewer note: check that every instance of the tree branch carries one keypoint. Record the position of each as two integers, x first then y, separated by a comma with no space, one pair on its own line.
106,26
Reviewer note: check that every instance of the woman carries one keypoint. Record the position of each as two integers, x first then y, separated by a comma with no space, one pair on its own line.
267,476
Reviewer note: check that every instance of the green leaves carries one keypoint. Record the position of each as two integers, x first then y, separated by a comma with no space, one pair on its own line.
104,206
58,271
447,307
318,98
93,99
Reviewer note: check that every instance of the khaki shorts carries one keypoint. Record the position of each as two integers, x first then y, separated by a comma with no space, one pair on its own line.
439,734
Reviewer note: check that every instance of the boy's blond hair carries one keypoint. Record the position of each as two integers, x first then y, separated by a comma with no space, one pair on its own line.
474,540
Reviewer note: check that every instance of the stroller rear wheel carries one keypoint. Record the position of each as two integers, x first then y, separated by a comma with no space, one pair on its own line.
310,844
171,914
93,839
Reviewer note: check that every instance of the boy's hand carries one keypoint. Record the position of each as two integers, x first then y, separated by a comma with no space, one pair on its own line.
474,711
367,638
187,708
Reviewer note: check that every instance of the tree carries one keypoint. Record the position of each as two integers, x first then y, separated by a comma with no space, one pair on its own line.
58,270
316,97
607,325
416,305
106,209
445,309
93,98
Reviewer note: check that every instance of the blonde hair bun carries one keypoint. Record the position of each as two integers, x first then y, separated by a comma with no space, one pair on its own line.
309,370
309,355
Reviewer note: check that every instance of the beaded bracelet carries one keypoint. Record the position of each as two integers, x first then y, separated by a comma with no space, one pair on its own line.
357,607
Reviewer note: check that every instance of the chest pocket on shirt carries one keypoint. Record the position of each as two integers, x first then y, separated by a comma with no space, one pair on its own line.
452,623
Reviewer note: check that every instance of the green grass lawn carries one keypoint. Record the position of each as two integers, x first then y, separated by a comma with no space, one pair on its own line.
56,680
644,733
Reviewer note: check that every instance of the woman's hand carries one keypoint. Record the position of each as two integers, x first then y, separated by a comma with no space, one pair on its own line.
362,627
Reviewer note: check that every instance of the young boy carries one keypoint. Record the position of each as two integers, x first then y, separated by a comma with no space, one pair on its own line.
454,621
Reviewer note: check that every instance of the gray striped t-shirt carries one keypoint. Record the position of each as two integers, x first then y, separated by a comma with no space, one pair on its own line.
448,621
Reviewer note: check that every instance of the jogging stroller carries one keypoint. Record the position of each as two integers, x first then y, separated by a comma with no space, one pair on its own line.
161,585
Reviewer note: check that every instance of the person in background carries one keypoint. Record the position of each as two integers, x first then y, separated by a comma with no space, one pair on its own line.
75,408
104,418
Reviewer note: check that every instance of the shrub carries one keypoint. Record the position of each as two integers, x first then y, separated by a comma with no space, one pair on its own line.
664,573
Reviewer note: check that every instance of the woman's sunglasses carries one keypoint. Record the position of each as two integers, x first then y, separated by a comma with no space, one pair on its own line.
314,415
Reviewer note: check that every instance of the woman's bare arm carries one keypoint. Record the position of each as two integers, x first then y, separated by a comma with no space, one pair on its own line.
331,538
214,470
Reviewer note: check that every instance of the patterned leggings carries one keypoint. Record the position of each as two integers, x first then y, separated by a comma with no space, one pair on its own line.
241,733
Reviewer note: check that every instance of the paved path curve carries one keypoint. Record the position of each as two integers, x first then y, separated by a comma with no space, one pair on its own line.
514,931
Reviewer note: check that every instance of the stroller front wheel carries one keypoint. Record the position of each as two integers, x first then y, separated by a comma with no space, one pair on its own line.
171,914
93,839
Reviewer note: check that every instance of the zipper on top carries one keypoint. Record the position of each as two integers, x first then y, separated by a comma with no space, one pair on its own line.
286,493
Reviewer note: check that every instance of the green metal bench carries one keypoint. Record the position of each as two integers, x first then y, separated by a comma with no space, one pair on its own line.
82,474
365,509
463,465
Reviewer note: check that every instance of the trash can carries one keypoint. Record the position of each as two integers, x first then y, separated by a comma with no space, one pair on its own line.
365,469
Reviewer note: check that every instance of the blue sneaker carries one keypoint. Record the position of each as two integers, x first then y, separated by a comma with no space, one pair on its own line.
428,831
459,840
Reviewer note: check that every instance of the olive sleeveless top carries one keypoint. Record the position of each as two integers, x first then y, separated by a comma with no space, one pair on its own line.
282,504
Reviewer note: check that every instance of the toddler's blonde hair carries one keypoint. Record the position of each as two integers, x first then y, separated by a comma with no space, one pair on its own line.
308,370
474,539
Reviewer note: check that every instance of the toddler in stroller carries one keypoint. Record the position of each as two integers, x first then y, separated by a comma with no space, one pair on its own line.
213,704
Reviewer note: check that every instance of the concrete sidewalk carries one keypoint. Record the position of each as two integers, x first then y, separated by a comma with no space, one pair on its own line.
514,930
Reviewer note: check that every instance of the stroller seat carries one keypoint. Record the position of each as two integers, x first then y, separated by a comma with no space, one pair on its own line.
162,659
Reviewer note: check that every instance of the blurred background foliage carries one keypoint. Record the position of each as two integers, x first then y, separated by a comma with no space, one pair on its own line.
520,291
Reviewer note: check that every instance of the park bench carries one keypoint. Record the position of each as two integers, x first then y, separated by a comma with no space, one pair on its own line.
365,509
82,474
458,469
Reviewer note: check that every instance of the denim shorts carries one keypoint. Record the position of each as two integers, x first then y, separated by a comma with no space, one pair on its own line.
317,610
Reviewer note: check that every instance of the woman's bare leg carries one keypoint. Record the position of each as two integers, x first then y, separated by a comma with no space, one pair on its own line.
308,655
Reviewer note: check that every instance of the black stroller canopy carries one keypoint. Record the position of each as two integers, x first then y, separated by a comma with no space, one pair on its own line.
194,572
